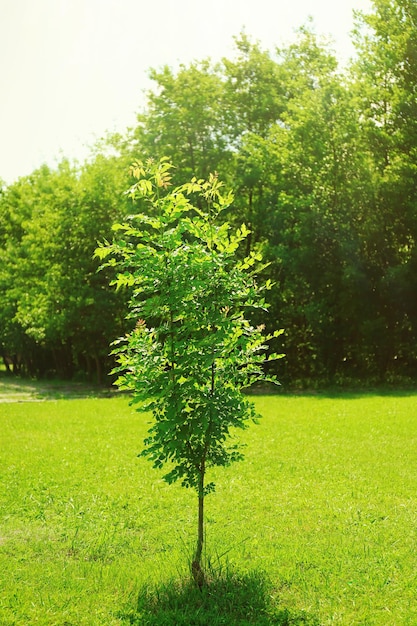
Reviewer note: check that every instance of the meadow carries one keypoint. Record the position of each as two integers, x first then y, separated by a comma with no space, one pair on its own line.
317,526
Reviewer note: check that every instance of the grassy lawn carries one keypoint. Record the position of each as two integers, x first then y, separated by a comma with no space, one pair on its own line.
325,504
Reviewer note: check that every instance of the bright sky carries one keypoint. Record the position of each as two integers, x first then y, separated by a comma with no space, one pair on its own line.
72,69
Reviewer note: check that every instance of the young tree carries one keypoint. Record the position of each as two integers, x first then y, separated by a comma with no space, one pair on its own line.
193,350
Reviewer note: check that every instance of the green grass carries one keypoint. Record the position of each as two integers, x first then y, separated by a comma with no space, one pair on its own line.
325,504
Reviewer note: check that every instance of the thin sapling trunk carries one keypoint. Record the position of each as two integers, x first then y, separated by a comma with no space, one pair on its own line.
196,569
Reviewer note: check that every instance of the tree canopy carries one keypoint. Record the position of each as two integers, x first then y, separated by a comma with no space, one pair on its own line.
322,162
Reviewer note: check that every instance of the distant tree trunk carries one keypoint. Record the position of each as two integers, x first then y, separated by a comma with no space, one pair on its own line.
16,360
89,367
6,361
99,369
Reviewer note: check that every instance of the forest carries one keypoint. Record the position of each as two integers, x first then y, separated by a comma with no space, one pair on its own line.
322,161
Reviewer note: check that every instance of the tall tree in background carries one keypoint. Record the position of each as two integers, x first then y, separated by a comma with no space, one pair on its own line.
309,217
254,101
57,313
184,120
97,312
386,79
15,210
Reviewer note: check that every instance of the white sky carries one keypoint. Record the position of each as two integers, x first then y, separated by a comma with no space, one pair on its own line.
72,69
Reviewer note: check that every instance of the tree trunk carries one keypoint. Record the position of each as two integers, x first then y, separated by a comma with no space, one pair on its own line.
99,372
196,569
7,361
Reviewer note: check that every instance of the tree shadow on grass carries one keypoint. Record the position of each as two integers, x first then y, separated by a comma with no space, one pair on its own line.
229,599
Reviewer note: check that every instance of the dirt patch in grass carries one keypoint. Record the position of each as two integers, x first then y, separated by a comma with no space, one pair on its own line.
14,389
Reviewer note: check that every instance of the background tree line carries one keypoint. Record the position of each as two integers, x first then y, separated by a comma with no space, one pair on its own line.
323,164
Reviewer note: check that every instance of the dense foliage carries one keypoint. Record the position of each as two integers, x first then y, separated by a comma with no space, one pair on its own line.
323,164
